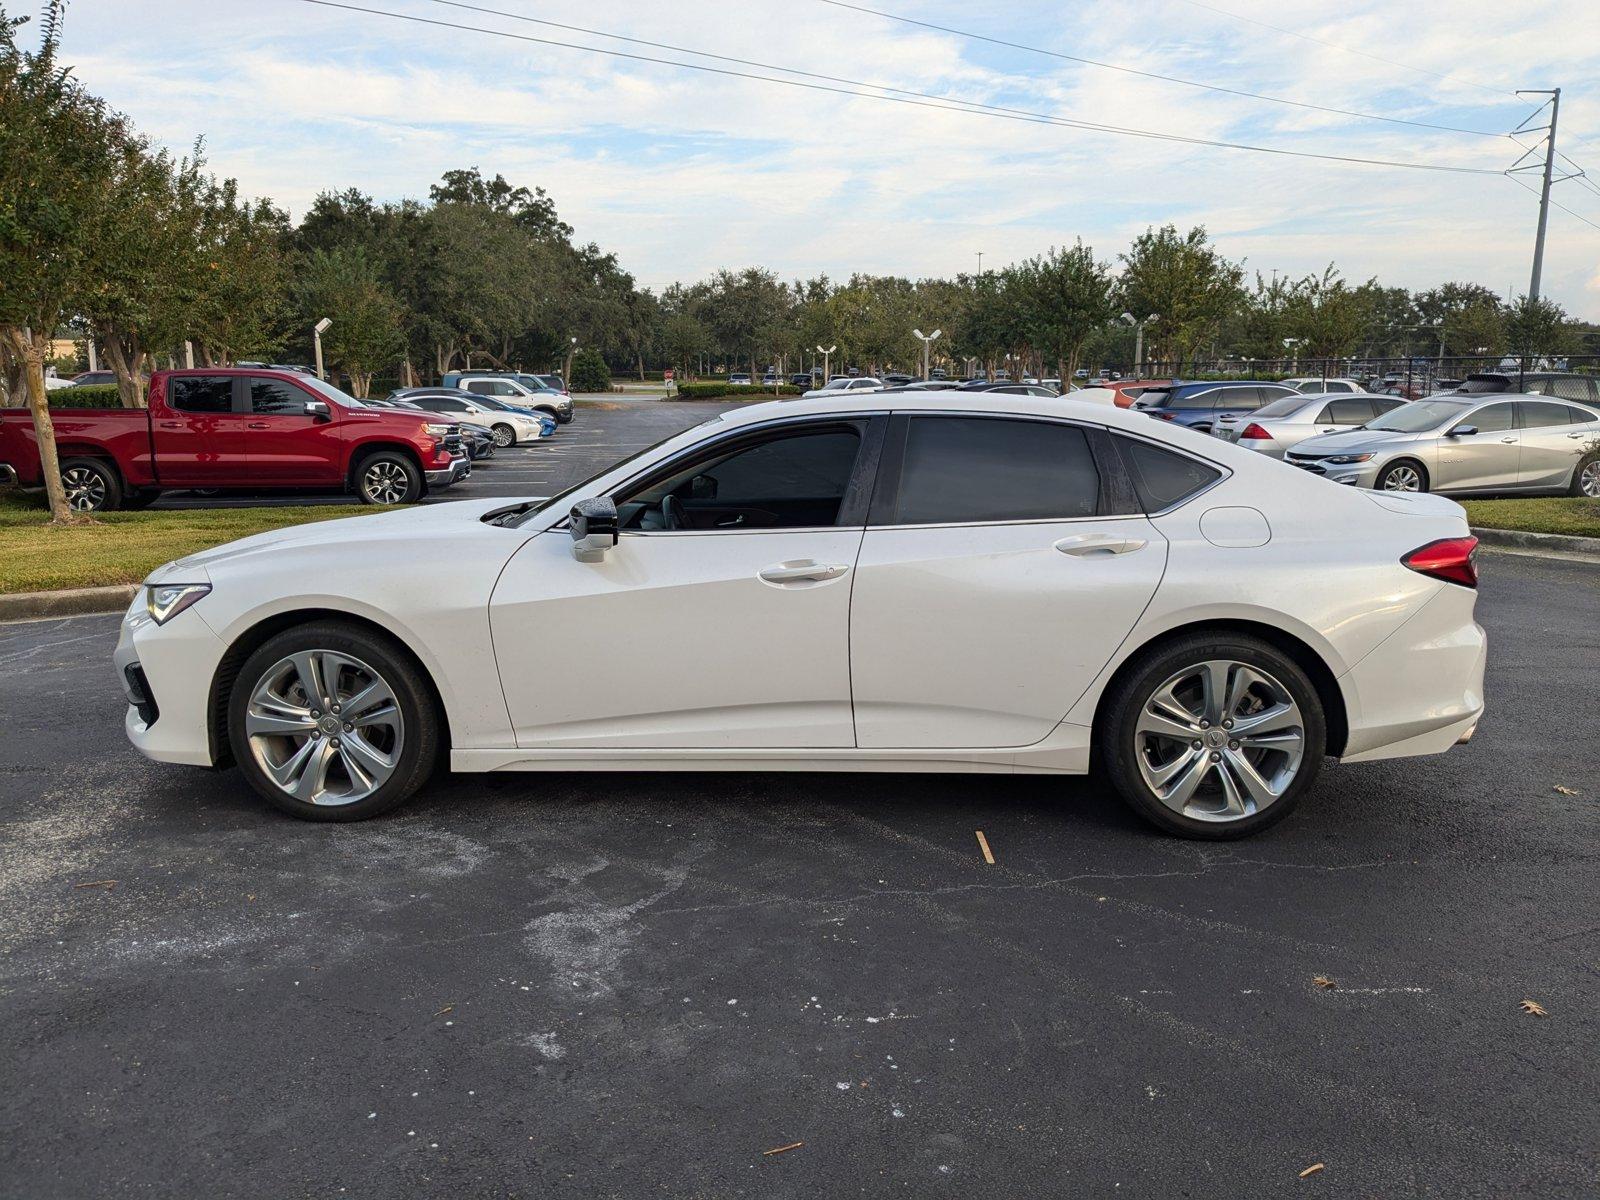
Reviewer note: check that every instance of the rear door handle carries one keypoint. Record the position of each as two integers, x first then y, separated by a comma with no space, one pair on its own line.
808,571
1509,441
1577,435
1085,545
256,425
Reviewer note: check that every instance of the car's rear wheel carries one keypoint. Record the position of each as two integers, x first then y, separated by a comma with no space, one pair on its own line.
1586,479
504,436
90,485
330,722
1214,736
1402,476
388,478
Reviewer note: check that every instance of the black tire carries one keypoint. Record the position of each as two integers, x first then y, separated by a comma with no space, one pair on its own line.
140,500
1120,749
1387,478
504,435
418,739
387,477
564,420
91,484
1591,463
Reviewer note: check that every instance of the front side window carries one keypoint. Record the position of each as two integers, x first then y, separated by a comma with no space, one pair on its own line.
1164,478
984,469
794,480
1493,418
202,394
274,397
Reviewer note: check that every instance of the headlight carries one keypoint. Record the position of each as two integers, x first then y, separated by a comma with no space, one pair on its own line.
163,601
1346,459
438,431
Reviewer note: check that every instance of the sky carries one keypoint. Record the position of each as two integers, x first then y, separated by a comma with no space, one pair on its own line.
682,172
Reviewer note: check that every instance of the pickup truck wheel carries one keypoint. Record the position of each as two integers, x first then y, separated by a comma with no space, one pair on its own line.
504,436
91,486
388,477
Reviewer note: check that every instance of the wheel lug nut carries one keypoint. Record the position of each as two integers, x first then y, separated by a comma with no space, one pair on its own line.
1233,745
349,728
335,708
1225,724
1216,757
334,743
315,714
1197,744
1205,724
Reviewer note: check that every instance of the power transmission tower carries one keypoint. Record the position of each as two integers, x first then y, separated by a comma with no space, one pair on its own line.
1547,168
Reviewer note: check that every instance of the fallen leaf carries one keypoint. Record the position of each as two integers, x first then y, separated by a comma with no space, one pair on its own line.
445,1009
1566,791
105,883
783,1149
1534,1009
983,844
1313,1169
1322,981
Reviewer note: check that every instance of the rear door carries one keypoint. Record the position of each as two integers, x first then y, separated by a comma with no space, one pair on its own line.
283,443
1554,438
993,582
199,436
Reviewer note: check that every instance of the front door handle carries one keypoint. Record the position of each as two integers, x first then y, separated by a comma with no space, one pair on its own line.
1086,545
1577,435
256,425
1510,441
808,571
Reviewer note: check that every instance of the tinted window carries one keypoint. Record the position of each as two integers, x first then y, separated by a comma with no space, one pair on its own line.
483,387
1566,387
985,469
1162,477
1354,411
275,396
1581,416
1284,406
202,394
1541,414
1386,404
1204,398
1494,418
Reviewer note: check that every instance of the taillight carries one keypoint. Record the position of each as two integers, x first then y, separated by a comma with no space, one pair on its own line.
1255,433
1450,559
1161,416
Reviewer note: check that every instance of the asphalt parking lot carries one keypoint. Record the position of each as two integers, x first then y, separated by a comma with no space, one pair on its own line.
635,985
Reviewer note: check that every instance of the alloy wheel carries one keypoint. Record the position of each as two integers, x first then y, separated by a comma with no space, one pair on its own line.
1219,741
85,489
324,727
1589,479
502,436
1402,479
385,483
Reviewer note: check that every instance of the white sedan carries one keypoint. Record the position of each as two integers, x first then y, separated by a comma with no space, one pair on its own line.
921,581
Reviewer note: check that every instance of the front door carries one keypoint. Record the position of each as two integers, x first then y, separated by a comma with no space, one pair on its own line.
991,588
283,444
1487,458
721,619
199,435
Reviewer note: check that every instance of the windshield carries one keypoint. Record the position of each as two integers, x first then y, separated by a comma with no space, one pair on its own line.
332,393
1418,415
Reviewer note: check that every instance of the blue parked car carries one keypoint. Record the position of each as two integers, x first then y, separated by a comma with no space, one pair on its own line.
1197,405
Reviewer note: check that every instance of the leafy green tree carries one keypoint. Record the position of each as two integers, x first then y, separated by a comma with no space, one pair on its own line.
1539,327
366,333
1328,315
1065,297
589,373
1185,283
242,276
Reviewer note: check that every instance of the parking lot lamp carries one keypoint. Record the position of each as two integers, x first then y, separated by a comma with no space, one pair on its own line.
927,340
1138,340
317,331
827,354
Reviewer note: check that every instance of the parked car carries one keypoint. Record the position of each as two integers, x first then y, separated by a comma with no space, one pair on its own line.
739,379
1198,405
524,390
896,379
222,427
1274,428
1129,390
508,428
1012,389
554,382
1014,585
547,422
801,380
1583,388
1465,445
1323,385
93,378
848,384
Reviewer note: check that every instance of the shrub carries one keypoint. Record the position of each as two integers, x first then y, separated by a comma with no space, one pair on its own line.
589,373
712,391
94,395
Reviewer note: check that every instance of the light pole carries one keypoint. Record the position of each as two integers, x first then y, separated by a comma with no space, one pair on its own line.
571,350
927,340
980,262
827,354
1138,340
1292,345
317,331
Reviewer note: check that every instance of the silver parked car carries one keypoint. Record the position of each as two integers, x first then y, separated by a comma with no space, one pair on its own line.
1466,444
1286,422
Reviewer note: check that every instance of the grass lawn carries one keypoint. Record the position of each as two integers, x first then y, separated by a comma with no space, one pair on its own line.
124,547
1571,516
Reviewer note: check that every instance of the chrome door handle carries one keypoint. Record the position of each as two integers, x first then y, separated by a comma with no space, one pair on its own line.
801,572
1509,441
1577,435
1083,545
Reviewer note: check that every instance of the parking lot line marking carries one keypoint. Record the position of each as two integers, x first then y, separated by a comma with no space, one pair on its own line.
983,844
782,1149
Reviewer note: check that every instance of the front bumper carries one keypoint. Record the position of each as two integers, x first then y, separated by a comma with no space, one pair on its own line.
1363,475
460,467
168,687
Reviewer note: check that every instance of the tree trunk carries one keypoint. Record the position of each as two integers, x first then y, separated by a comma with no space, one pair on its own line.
408,375
29,350
125,357
360,383
641,366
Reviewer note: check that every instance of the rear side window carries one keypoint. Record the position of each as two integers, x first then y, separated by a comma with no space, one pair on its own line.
985,469
1283,406
202,393
1205,398
1164,478
1357,410
1386,404
1541,414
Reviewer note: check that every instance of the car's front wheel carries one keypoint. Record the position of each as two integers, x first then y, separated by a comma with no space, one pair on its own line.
388,477
504,436
1402,476
331,722
1214,736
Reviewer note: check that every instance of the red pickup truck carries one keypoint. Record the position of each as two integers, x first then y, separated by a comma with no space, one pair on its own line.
226,427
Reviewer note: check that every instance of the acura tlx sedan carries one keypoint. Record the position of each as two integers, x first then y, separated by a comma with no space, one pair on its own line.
928,581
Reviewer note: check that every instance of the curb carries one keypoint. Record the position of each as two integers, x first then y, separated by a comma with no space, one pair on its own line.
1546,545
75,602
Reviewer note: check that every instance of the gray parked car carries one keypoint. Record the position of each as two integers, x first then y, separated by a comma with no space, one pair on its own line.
1286,422
1466,444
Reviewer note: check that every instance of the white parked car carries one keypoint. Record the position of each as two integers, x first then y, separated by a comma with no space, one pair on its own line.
921,581
846,386
506,427
1320,384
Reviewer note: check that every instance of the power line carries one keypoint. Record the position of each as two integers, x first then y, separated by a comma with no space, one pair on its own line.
1553,202
1306,37
916,99
1210,87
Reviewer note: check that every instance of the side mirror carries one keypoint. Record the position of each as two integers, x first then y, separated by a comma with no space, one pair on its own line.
318,410
1463,431
594,528
702,487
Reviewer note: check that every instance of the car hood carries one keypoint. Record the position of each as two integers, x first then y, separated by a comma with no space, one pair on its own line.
1356,441
419,523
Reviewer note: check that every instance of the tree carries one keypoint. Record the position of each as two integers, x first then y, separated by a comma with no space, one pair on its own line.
1066,296
1535,327
1327,314
58,145
242,276
1184,283
367,319
589,373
